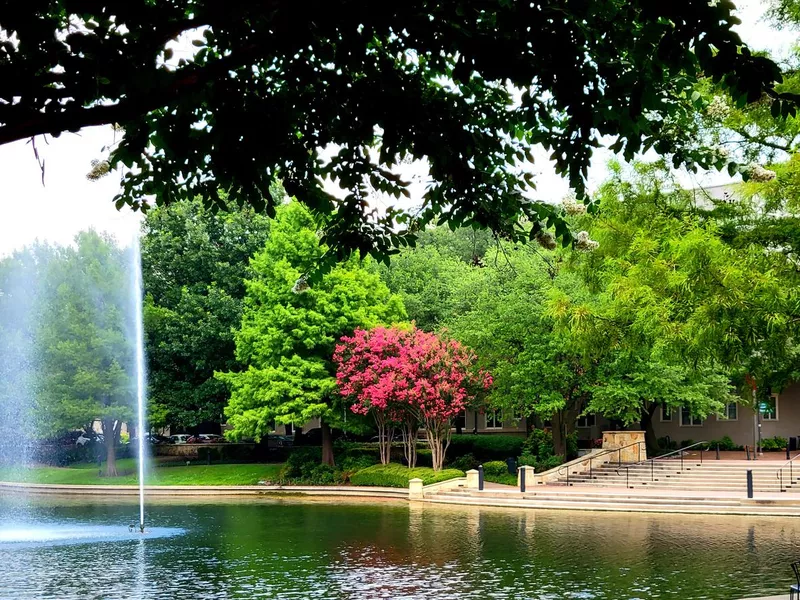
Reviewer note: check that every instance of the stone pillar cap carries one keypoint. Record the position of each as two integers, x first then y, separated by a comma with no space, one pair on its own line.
415,479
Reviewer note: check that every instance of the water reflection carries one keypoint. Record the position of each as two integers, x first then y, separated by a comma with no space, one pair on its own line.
298,549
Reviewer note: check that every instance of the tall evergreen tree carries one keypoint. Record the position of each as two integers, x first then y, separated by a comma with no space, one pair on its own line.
289,330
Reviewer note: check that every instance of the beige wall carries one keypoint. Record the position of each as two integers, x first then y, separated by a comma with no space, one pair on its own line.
742,430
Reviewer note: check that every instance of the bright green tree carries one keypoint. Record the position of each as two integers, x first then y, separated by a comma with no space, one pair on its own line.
194,263
667,289
539,371
289,330
85,335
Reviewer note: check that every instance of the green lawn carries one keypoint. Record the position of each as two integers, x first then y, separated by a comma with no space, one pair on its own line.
87,474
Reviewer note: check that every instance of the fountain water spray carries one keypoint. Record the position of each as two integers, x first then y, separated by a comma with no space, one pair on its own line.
140,369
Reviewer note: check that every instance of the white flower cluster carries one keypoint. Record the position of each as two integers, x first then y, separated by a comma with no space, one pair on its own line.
718,109
100,168
720,152
584,244
759,173
300,286
572,206
546,240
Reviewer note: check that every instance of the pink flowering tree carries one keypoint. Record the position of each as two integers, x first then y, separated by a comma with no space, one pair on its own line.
373,372
447,383
408,378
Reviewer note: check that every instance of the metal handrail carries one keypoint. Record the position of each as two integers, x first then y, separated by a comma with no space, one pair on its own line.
603,453
653,460
779,472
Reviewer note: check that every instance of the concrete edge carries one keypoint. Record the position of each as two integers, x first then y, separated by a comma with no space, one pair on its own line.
201,490
355,492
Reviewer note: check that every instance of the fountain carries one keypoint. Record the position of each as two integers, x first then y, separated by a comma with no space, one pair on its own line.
136,267
24,291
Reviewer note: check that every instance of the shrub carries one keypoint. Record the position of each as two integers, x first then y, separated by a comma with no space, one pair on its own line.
726,443
685,443
226,453
539,444
395,475
464,463
774,443
551,462
665,443
486,447
527,459
495,468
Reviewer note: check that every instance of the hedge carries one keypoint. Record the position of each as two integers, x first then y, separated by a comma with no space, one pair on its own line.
394,475
485,447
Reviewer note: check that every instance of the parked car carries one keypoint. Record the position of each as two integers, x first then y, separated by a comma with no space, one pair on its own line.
205,438
180,438
153,439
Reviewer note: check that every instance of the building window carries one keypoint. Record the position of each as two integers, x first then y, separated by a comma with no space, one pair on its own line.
288,429
769,409
689,420
494,419
730,412
666,414
460,420
586,421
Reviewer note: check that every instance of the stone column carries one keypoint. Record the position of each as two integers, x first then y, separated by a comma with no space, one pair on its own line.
529,482
619,439
415,489
472,479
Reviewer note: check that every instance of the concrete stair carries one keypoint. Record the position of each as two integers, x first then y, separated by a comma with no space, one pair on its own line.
550,498
710,475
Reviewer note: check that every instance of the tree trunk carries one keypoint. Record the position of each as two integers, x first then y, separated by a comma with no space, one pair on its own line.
563,426
438,433
650,441
111,447
327,444
410,431
385,435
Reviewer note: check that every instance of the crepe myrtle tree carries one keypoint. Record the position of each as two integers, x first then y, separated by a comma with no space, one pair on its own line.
410,377
349,90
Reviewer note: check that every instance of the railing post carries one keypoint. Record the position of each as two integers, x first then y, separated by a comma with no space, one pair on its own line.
749,483
590,469
780,478
619,457
480,477
701,455
652,470
717,451
522,479
681,461
788,456
747,451
627,477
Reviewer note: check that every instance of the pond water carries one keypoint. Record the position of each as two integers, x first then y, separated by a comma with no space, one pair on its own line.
288,548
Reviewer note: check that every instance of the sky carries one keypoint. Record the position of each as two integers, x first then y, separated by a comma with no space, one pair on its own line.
68,203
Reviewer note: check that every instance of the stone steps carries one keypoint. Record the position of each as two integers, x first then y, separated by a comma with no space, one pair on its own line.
670,505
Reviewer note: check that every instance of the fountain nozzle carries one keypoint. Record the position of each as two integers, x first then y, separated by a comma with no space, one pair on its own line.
141,527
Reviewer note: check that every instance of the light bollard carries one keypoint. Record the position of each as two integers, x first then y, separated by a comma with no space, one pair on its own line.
480,478
749,483
522,479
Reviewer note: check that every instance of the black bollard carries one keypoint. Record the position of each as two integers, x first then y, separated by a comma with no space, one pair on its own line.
522,479
480,477
749,483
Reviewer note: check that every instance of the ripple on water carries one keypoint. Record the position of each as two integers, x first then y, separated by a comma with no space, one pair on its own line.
22,535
